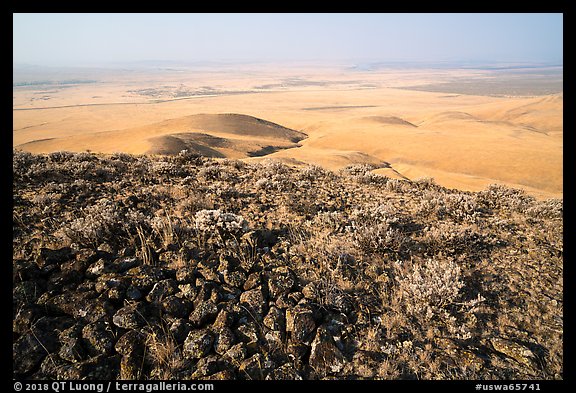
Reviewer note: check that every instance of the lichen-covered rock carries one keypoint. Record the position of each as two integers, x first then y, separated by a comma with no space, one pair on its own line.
133,293
49,256
311,291
144,277
71,348
198,343
209,270
286,372
186,275
162,289
187,291
116,295
203,314
99,338
275,319
78,304
208,291
30,349
252,368
70,303
286,300
130,342
109,281
50,367
514,350
209,365
27,292
25,270
224,319
131,346
300,323
130,367
325,357
254,302
234,278
132,316
224,375
97,269
236,353
124,263
297,352
24,319
64,280
280,281
41,340
471,359
247,332
252,281
224,340
179,329
177,307
101,367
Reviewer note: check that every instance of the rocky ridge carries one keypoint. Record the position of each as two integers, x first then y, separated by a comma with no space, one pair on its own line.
185,267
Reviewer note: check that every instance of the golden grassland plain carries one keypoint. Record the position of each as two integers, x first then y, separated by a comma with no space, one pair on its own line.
464,127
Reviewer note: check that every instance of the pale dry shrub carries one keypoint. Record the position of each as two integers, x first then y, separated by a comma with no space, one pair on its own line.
427,288
97,223
458,207
165,168
362,173
431,291
123,157
195,201
372,178
272,167
498,196
60,156
218,226
134,219
212,172
23,160
85,156
313,172
550,208
333,221
462,207
234,164
266,184
380,238
357,169
429,204
45,201
379,229
164,228
452,238
273,175
185,156
425,182
398,186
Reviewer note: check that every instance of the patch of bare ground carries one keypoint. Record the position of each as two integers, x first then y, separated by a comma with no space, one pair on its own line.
188,267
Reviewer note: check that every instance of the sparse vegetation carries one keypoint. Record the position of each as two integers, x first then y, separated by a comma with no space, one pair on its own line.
186,267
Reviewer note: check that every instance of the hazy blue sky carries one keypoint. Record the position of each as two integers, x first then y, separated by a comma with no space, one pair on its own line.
83,39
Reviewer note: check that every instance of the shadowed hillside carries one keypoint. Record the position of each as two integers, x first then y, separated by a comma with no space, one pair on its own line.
212,135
